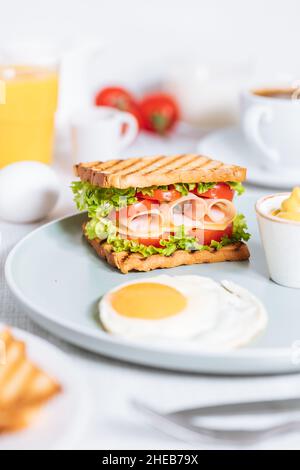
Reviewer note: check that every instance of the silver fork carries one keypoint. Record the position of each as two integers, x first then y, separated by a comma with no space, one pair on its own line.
178,424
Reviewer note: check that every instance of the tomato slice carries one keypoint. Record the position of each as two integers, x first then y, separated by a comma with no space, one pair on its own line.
205,237
161,195
148,241
219,191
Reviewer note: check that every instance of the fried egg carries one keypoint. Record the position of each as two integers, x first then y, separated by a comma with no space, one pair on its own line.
195,311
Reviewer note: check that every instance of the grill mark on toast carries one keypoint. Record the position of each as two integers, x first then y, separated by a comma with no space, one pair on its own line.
123,165
182,163
102,166
196,163
165,162
99,175
209,166
148,171
138,167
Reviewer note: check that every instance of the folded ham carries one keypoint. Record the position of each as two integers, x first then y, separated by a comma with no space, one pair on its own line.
194,212
219,214
190,211
143,225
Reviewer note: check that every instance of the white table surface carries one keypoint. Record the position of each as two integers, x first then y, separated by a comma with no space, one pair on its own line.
114,425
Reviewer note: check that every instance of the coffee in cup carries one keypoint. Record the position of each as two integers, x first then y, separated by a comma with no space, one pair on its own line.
279,93
270,120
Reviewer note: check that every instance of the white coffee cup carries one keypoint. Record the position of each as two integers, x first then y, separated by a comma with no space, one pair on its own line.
271,124
100,133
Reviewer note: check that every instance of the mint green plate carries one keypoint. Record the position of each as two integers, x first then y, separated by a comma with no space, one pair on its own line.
58,279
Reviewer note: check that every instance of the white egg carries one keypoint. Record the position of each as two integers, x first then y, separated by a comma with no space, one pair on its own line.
28,191
216,317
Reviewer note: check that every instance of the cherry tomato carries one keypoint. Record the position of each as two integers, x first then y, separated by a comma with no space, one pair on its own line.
206,236
161,195
219,191
117,97
160,112
134,109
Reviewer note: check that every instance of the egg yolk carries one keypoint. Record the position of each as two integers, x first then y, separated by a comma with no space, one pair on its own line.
148,301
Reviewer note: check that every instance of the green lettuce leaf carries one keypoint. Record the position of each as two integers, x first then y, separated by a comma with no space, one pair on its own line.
90,198
237,187
239,233
167,246
184,188
203,187
100,228
149,191
105,229
240,228
103,200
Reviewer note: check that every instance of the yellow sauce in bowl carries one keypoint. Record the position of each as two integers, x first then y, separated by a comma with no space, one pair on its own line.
290,207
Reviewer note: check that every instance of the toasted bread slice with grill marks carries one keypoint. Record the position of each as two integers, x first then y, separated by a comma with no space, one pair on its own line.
24,387
21,381
126,262
14,419
159,170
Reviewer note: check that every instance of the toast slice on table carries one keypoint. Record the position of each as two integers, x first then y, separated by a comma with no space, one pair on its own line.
24,387
15,419
159,170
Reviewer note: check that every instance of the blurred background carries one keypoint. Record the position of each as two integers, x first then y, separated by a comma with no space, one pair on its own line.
265,31
142,40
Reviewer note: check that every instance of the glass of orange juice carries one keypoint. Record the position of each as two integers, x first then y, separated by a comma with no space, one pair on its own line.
28,103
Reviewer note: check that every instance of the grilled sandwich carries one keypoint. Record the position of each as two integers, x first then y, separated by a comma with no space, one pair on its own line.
155,212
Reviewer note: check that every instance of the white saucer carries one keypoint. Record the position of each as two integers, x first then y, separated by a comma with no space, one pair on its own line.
64,419
229,146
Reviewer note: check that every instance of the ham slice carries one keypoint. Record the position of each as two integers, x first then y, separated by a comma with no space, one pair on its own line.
190,211
220,213
194,212
143,225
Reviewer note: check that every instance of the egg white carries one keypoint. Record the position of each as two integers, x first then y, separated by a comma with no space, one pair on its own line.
218,316
199,315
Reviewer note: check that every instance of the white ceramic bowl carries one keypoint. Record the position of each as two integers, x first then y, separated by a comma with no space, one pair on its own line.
281,241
